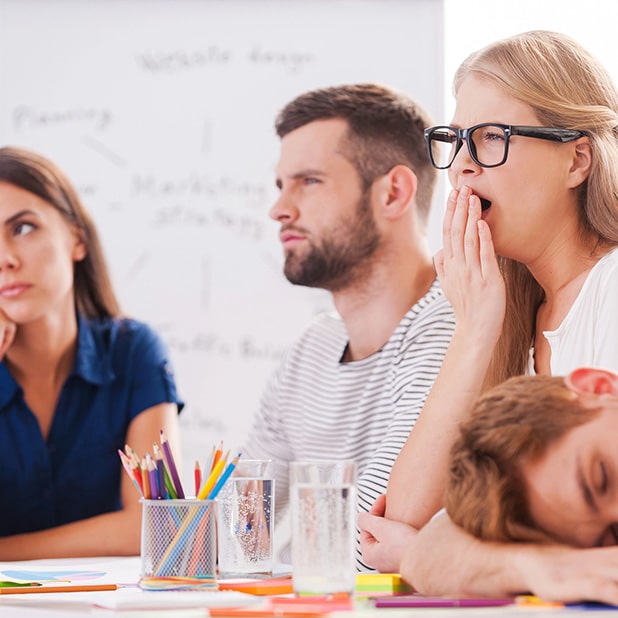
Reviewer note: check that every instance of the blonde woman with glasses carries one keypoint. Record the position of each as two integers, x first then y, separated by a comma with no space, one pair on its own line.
530,265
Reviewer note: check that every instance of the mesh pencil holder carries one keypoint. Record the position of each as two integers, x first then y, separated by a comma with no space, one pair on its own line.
178,538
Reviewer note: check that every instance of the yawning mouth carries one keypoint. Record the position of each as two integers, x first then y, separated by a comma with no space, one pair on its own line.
485,204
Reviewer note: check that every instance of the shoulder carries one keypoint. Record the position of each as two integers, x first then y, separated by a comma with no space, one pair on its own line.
602,281
325,330
121,338
431,313
321,343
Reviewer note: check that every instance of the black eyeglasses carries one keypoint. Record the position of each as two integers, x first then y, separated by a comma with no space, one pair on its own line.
488,144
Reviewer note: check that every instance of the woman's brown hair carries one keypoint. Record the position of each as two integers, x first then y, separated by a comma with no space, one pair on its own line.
94,295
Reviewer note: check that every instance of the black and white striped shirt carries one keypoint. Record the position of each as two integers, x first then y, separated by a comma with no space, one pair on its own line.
318,407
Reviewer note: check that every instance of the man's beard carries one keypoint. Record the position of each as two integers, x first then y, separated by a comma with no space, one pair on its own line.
338,259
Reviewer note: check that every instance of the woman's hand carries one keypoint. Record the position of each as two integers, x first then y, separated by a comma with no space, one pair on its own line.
468,269
7,333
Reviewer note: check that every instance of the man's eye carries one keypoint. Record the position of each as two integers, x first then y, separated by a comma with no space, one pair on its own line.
601,480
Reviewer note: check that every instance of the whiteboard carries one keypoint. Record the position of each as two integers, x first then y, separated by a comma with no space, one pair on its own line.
161,112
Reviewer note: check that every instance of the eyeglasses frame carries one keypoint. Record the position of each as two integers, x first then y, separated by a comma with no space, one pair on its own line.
547,133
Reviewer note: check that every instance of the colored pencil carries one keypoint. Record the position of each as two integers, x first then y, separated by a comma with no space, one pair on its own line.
145,480
152,478
212,479
169,486
217,456
208,463
78,588
169,458
126,464
160,464
224,477
135,466
197,473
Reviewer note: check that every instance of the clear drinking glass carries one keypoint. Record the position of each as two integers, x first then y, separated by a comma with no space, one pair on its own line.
246,519
323,521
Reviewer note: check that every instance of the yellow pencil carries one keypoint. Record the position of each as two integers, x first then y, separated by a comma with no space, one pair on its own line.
212,479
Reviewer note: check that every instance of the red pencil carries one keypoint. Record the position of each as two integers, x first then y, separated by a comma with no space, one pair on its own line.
198,477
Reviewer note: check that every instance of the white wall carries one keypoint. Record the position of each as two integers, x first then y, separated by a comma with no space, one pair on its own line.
471,24
161,112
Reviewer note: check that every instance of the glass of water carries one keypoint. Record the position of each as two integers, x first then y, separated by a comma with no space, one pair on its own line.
246,520
323,521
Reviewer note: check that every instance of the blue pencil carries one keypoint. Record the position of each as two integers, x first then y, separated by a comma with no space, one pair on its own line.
224,477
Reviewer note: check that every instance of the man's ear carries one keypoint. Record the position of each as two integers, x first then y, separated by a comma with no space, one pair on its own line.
596,381
398,190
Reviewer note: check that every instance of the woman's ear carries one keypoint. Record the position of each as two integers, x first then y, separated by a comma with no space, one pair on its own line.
595,381
582,160
79,248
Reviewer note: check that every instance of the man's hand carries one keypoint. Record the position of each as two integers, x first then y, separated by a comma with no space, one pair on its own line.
382,540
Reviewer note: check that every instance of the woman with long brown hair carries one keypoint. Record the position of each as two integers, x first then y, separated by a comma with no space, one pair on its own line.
77,380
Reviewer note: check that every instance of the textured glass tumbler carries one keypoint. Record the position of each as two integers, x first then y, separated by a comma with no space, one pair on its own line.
323,521
179,538
246,519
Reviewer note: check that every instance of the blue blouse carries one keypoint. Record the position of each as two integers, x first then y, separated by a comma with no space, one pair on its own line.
121,368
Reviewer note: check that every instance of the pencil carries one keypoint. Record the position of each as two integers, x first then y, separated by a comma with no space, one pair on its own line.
126,464
160,465
169,458
208,462
212,479
198,477
217,456
135,466
152,478
145,480
224,477
80,588
162,469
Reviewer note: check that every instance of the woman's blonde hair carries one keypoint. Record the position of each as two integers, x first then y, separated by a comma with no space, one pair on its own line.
511,424
567,88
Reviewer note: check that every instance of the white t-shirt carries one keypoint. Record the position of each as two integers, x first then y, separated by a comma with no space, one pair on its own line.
588,335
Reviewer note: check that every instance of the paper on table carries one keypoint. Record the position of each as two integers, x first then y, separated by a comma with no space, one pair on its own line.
134,598
123,570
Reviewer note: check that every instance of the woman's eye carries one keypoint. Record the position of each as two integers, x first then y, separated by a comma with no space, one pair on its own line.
23,228
490,136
